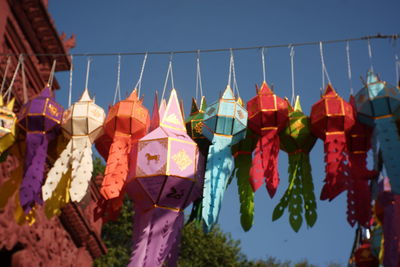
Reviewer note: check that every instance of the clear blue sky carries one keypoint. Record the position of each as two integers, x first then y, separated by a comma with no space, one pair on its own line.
138,26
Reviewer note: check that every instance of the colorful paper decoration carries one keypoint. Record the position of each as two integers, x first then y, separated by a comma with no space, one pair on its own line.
82,123
126,122
296,140
331,119
167,180
194,125
268,115
8,121
376,104
224,125
242,154
359,207
40,118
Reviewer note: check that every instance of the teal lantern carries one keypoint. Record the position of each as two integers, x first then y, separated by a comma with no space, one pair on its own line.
378,105
224,125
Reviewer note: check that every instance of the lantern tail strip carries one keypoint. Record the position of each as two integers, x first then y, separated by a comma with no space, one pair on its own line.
256,171
219,169
172,260
141,231
246,195
82,167
60,168
165,225
388,138
117,167
310,205
391,230
36,152
335,167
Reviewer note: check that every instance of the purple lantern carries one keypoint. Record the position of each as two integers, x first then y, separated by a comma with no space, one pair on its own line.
40,118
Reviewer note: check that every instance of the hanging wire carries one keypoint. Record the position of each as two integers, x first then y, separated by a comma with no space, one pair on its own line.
24,87
70,81
263,64
169,74
8,92
349,67
5,75
199,84
118,86
139,82
377,36
292,71
324,71
232,74
370,54
51,76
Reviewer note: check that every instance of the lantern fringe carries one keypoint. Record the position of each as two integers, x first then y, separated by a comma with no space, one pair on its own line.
265,163
31,186
336,157
219,169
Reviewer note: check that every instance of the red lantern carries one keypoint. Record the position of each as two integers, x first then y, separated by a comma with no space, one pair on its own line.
331,119
364,257
359,194
268,115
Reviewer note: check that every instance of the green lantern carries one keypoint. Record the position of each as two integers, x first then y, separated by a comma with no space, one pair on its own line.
297,141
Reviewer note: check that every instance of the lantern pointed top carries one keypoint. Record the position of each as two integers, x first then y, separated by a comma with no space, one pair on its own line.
372,78
297,105
172,117
46,92
194,108
228,93
155,116
264,90
163,106
1,100
133,96
330,91
240,101
85,96
10,105
203,104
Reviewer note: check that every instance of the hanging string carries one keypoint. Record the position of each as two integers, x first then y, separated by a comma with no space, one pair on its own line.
292,71
169,74
370,54
349,67
118,86
24,87
139,82
199,84
51,76
5,75
70,81
232,74
324,71
8,92
263,64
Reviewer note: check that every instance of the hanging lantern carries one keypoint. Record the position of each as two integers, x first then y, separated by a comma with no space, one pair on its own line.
8,121
296,140
359,192
224,125
126,122
331,119
82,123
268,115
166,182
194,125
242,154
377,105
364,258
40,118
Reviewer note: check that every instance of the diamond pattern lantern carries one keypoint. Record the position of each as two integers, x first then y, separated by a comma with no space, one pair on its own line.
82,123
167,180
331,119
40,118
297,140
8,121
359,192
224,125
268,115
377,102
